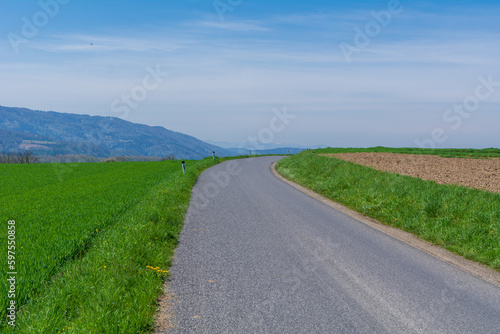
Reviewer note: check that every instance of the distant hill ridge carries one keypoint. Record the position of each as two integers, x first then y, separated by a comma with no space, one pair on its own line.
53,133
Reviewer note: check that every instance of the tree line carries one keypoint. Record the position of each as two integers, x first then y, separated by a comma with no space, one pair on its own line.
26,157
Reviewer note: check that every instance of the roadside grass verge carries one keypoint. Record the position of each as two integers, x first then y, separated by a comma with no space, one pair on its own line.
442,152
462,220
96,243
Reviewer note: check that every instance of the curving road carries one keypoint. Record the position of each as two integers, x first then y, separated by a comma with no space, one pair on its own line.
258,256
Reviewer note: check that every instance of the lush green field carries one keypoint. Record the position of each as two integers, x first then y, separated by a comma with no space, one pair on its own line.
93,242
465,221
448,152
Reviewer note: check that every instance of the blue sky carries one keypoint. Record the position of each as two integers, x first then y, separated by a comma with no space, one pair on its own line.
358,73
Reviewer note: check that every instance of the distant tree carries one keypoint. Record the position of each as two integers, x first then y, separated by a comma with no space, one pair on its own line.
27,157
8,158
109,160
169,157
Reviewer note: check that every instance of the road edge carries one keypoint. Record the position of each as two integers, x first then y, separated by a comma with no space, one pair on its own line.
479,270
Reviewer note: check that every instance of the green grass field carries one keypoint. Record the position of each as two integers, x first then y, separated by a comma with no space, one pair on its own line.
93,242
446,153
462,220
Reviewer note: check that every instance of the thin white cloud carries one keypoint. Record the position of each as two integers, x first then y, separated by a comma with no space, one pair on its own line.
234,26
313,19
96,43
481,51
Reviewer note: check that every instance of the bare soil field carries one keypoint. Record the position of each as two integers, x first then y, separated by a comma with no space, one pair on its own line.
475,173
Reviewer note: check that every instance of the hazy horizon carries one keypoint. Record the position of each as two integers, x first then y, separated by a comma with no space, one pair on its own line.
358,74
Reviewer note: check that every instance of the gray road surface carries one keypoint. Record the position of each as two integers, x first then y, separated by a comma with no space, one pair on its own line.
258,256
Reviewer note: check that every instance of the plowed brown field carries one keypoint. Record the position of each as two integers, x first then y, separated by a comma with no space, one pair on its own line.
475,173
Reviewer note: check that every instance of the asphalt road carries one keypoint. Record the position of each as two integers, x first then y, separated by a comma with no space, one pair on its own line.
258,256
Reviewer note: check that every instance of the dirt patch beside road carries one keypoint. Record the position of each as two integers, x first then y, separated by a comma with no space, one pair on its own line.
475,173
